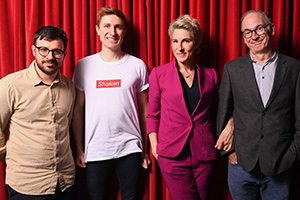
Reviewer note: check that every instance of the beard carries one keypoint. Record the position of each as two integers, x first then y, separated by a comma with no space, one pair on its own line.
49,70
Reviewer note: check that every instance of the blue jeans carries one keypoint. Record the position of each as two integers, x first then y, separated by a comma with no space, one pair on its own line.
99,174
68,194
248,185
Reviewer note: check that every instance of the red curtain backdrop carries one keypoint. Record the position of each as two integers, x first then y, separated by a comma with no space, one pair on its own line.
147,39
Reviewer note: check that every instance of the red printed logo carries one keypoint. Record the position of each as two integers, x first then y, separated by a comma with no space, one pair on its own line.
108,83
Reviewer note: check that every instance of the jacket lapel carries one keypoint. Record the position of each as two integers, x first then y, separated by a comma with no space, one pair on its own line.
279,76
250,79
197,70
177,84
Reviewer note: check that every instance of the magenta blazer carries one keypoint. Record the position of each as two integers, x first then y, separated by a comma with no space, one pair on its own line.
168,116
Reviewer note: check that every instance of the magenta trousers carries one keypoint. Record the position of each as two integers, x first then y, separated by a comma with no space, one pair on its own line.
185,177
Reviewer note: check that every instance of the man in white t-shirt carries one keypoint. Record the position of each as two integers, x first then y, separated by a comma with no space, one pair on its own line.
110,108
112,128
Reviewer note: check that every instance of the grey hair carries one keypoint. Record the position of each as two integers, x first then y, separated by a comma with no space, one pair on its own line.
188,23
267,19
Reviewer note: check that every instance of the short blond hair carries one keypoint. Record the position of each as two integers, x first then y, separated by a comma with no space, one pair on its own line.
111,11
188,23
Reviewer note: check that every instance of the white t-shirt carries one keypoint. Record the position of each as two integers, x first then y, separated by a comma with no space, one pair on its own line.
112,127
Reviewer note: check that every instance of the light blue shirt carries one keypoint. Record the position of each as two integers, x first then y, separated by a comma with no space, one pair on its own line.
265,76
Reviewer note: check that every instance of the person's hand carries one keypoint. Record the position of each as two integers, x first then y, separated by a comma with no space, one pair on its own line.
146,161
153,147
153,141
232,158
80,160
225,140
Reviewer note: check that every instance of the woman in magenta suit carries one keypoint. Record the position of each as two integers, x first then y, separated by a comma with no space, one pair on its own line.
182,98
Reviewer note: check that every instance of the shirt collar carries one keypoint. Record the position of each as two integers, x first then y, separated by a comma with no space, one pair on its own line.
270,60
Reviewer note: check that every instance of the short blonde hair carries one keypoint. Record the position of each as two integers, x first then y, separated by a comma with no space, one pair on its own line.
111,11
188,23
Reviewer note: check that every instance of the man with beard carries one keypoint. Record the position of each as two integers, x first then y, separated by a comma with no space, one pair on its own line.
36,106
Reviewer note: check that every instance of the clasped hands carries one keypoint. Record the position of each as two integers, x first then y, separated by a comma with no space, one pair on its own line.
225,139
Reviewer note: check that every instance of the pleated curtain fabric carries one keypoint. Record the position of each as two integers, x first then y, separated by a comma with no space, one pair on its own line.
146,38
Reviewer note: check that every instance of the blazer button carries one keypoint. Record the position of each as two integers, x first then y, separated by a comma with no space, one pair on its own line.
262,137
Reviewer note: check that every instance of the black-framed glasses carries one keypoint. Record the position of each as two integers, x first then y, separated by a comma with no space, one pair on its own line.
44,51
258,31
